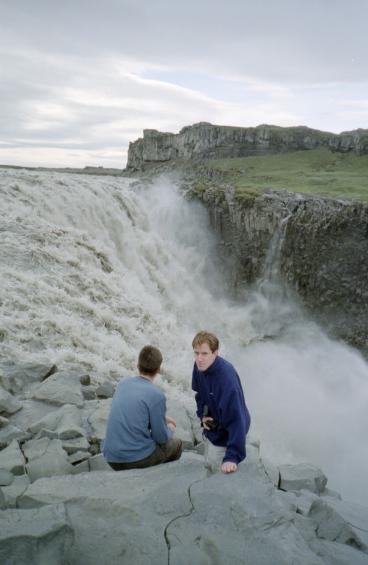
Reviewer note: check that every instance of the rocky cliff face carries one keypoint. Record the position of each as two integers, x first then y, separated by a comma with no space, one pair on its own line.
207,141
318,245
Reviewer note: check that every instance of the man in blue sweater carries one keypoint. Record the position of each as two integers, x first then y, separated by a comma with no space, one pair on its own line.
220,404
139,434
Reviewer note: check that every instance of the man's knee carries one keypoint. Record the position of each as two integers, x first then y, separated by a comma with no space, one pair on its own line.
173,449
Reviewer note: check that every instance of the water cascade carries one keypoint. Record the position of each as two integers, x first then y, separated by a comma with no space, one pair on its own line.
92,268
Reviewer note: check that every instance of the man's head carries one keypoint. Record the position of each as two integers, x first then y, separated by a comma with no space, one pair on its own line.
205,346
149,360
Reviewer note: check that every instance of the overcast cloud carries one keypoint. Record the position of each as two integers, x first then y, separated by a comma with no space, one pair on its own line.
79,79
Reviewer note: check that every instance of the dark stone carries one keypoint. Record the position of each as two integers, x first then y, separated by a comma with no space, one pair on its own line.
85,380
105,390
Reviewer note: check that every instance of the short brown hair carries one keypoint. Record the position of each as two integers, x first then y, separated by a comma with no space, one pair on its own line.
149,360
206,337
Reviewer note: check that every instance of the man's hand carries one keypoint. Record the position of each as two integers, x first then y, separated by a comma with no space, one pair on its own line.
206,419
229,467
170,423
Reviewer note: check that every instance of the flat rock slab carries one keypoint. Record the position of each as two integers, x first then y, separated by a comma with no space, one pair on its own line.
66,422
46,459
39,536
60,389
176,512
302,476
15,378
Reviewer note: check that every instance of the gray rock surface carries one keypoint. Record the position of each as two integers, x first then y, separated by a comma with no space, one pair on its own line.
14,490
3,421
302,476
8,403
40,536
46,458
6,478
11,432
14,378
60,388
175,513
105,390
66,422
12,459
341,521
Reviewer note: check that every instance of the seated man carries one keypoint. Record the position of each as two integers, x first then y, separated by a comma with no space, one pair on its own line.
139,434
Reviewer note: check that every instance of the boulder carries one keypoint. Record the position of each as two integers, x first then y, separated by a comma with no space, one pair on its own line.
78,457
14,490
98,463
39,536
64,422
97,414
15,378
75,444
105,390
32,411
302,476
10,432
6,478
60,388
12,459
47,458
344,522
89,392
3,421
8,403
85,380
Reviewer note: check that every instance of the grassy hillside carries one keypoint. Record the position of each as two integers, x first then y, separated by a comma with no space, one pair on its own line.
317,171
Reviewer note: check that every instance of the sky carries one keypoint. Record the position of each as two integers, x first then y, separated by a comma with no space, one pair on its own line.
80,79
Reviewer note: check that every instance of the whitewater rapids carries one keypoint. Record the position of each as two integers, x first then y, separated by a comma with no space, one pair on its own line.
93,268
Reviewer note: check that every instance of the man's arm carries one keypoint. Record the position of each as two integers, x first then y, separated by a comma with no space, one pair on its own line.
233,419
195,386
160,432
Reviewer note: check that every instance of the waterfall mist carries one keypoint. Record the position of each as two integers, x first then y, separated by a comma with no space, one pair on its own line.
93,268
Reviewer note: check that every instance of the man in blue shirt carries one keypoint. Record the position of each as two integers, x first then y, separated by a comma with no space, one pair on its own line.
220,405
139,434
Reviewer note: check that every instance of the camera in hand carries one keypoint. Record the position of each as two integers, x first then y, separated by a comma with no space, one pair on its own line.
206,413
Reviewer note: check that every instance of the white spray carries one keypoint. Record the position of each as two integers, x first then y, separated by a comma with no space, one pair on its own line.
93,268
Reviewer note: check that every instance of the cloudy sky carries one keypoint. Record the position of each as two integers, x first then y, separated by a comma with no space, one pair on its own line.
79,79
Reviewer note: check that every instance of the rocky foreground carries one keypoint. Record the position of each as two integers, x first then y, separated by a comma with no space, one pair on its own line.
62,504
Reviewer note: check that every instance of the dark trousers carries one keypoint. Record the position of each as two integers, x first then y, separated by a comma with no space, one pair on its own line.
170,451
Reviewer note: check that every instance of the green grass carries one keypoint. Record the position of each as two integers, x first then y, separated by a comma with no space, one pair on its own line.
315,171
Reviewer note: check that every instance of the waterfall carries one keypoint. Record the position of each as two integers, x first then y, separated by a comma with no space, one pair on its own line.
93,268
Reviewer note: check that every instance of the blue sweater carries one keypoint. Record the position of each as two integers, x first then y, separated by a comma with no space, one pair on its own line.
136,422
220,388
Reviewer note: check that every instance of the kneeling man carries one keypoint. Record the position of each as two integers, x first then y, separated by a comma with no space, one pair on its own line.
139,434
220,405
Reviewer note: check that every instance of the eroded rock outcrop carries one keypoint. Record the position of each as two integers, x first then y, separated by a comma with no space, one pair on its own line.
207,141
318,245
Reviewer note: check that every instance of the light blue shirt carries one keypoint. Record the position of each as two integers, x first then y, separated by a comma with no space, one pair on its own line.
136,422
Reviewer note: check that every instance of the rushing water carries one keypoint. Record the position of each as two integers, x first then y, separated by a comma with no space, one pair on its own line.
92,268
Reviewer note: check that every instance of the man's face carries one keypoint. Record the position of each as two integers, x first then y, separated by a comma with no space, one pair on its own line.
204,357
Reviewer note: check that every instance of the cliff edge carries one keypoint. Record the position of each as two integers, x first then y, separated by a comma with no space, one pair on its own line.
207,141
